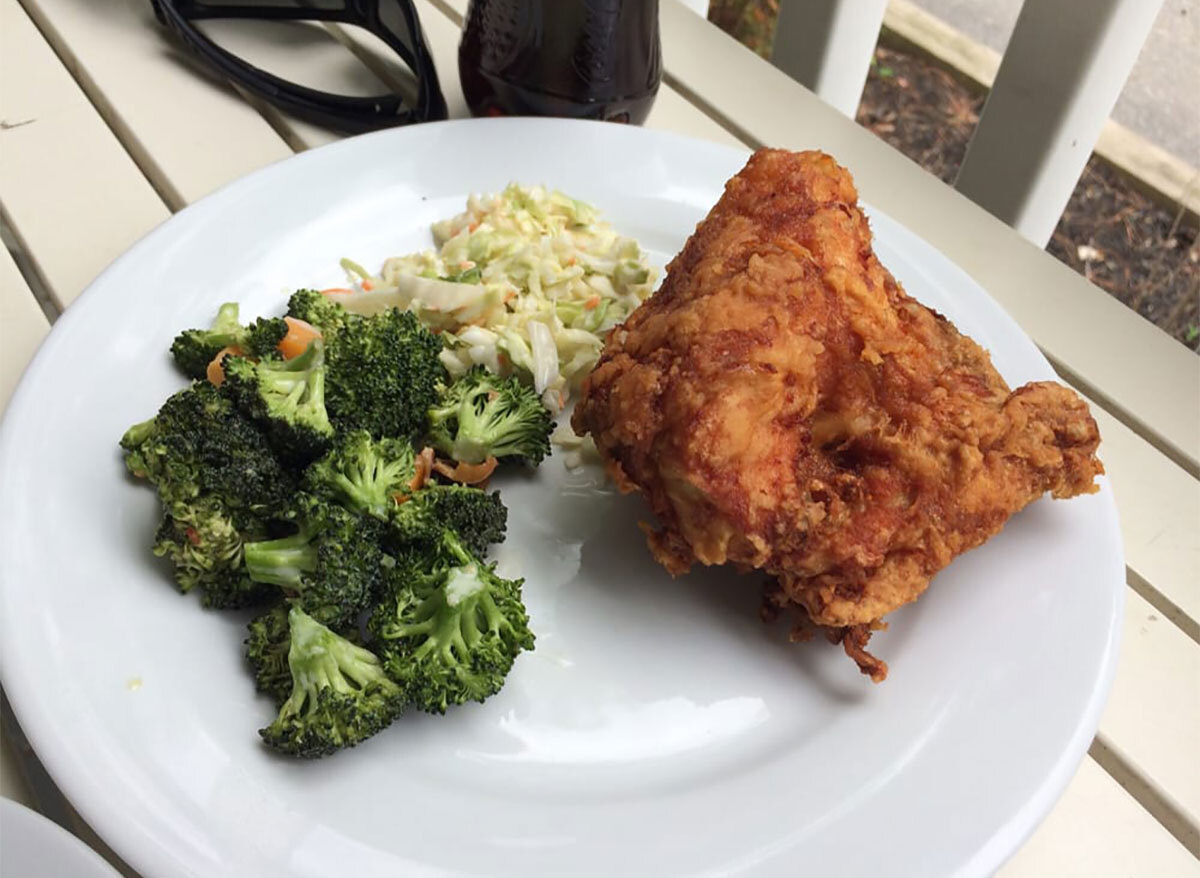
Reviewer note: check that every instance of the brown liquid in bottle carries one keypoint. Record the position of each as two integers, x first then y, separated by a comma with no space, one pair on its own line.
586,59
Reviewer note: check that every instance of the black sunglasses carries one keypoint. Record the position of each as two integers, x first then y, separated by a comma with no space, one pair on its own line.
393,21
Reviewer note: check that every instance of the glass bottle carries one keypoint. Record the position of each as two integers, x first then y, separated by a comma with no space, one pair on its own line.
585,59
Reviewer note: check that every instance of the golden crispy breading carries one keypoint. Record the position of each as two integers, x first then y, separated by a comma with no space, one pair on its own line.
784,405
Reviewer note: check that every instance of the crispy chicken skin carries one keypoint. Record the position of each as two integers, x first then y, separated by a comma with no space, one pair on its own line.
784,405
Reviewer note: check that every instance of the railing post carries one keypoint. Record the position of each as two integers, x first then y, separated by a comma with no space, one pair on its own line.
827,46
1062,72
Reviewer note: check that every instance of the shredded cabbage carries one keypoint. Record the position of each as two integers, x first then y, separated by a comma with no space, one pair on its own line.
527,280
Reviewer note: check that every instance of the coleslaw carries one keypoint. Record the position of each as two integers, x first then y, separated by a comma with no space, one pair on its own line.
526,280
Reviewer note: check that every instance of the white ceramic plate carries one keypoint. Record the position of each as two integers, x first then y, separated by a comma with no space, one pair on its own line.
658,729
33,847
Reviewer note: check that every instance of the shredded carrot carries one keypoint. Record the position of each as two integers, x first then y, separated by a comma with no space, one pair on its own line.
337,291
591,303
424,469
467,473
299,336
193,536
216,369
572,261
473,226
509,295
367,285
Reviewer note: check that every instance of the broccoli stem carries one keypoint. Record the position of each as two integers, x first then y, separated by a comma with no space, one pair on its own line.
474,440
138,433
369,484
282,562
226,320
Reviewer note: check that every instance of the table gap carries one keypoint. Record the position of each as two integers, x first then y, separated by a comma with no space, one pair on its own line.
1169,450
449,11
278,121
1160,806
150,169
1171,611
27,267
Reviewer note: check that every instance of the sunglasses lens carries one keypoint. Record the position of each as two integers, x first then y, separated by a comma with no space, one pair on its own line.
217,5
229,35
391,15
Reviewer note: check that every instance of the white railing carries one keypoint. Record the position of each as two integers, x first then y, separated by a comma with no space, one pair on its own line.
1060,76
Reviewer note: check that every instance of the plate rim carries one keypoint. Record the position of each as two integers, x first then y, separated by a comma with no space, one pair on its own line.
89,798
74,847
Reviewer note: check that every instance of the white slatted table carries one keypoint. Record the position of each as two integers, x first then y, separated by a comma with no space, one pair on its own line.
108,130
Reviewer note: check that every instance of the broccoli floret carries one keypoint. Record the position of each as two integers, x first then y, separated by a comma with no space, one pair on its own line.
287,398
482,415
204,540
320,310
362,473
476,516
449,628
200,444
141,456
383,370
383,374
263,336
339,697
194,349
267,644
331,564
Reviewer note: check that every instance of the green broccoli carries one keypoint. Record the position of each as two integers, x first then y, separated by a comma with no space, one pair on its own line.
267,646
287,398
200,444
362,473
339,697
331,564
482,415
204,540
383,374
478,517
194,349
383,370
323,312
143,456
449,628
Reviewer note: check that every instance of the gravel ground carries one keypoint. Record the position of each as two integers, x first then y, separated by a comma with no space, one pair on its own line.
1159,99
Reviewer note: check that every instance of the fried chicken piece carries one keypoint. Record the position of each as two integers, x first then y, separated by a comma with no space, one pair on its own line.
784,405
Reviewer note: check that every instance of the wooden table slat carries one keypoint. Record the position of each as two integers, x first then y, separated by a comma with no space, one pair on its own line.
1152,720
1124,362
88,200
187,132
306,53
1097,830
1159,507
23,325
